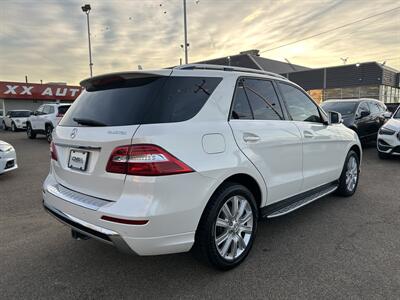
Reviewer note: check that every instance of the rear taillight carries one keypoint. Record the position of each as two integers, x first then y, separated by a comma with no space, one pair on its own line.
53,151
145,160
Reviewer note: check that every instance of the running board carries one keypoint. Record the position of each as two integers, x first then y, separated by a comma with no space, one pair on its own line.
286,206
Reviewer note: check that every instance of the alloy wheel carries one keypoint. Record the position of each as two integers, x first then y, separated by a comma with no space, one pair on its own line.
351,173
234,227
48,134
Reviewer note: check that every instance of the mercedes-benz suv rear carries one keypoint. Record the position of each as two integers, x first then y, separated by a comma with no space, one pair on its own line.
155,162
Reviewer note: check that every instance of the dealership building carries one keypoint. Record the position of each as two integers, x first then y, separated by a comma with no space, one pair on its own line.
361,80
21,95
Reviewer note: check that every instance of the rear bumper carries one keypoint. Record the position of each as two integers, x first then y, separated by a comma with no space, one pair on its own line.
170,229
104,235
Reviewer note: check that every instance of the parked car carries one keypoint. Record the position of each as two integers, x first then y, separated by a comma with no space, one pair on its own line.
389,137
8,158
45,119
364,116
16,119
193,157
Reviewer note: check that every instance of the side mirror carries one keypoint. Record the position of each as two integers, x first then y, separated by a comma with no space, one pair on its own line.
387,115
364,114
335,117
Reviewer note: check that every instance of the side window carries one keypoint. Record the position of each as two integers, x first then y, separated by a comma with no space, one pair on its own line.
374,107
46,110
263,99
39,111
363,107
241,108
299,105
51,110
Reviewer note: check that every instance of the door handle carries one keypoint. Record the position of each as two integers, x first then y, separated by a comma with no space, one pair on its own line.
308,134
250,138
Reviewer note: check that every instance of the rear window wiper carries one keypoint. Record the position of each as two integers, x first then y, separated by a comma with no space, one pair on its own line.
88,122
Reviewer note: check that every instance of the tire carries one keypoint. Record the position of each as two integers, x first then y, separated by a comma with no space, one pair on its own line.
4,125
48,132
383,155
30,132
349,178
235,237
13,127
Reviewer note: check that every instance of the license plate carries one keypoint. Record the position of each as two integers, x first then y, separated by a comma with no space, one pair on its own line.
78,160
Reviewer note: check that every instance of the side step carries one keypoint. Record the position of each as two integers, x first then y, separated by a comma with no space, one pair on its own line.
288,205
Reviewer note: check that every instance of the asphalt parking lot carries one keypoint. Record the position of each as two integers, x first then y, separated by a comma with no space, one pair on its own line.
333,248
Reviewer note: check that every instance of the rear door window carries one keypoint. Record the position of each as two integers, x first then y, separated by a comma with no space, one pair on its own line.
142,101
263,99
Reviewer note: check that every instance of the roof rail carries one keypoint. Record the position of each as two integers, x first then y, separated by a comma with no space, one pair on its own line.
226,68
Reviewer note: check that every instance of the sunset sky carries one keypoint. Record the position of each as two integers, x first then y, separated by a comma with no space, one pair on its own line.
48,39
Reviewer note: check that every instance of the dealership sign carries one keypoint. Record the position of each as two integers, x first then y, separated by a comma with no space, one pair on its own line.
33,91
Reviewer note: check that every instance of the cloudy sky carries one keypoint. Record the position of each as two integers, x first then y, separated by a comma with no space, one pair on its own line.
47,39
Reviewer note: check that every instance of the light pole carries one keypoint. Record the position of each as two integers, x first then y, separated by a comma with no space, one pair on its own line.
185,30
86,9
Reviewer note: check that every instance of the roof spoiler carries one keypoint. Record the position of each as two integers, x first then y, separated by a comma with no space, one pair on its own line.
121,76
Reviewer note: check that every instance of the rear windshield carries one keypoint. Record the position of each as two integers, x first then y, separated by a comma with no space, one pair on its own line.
20,114
141,101
342,107
62,109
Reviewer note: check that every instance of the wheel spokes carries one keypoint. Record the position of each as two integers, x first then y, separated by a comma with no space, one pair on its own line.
227,211
246,229
222,223
222,238
227,245
241,242
234,247
246,219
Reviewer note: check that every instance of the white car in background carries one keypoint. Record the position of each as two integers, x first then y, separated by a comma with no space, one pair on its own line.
45,119
158,162
16,119
8,158
389,137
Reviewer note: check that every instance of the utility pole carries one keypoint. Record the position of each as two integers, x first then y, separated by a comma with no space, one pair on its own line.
185,30
86,9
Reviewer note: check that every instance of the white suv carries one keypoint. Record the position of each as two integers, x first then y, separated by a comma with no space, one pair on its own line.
158,162
45,119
